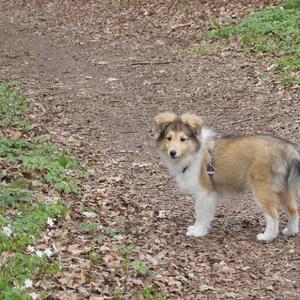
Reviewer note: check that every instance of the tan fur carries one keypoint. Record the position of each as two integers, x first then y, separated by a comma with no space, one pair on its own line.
260,163
289,203
180,142
177,136
192,120
254,162
263,164
164,118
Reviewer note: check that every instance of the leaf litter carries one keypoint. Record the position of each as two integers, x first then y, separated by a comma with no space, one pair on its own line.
109,126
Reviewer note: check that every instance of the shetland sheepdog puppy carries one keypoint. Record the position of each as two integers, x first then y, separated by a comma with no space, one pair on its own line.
208,167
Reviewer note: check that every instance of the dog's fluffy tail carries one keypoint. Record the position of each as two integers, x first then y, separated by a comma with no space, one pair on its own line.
294,176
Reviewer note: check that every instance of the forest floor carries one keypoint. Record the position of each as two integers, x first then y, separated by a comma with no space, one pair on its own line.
95,73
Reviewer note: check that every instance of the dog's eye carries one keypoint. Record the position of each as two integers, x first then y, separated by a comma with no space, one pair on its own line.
183,139
169,138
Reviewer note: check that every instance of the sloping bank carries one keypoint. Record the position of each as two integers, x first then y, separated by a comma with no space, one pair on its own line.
34,178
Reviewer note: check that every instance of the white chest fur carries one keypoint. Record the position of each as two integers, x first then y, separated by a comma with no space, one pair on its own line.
186,172
188,181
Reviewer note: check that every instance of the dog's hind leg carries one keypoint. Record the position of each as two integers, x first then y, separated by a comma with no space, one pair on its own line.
289,203
268,201
205,205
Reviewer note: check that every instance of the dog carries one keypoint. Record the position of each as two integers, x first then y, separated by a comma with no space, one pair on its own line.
208,168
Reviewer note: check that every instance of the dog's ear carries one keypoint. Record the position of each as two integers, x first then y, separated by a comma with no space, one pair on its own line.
162,120
193,121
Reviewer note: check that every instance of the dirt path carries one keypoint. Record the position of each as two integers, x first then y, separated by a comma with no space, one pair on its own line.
97,92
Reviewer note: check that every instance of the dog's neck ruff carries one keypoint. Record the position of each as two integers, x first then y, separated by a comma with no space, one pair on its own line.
210,168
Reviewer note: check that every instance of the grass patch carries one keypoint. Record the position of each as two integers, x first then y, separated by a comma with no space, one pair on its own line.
141,268
42,162
274,31
28,225
12,107
20,268
136,268
197,51
88,227
114,233
126,249
150,293
95,258
30,168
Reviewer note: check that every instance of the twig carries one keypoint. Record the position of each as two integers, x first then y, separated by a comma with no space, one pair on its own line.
142,63
180,26
128,131
223,107
127,269
111,151
44,273
295,258
240,121
125,284
216,104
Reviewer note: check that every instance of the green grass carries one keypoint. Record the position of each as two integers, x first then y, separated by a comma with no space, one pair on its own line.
196,51
20,267
114,233
88,227
95,258
12,107
42,161
150,294
30,168
28,225
141,268
274,31
126,249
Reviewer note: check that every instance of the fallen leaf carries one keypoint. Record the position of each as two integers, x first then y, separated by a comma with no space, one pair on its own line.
89,214
66,295
15,135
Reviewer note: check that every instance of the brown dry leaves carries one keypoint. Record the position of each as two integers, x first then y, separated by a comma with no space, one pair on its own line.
118,19
130,198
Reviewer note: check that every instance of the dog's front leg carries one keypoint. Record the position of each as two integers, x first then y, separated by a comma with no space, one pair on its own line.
205,205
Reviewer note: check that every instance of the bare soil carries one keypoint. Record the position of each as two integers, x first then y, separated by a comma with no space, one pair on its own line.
96,72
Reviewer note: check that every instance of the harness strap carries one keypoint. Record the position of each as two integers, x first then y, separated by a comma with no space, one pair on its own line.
185,168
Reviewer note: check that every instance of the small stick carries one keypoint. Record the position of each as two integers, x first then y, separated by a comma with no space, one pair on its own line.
128,131
180,26
142,63
44,273
216,104
240,121
295,258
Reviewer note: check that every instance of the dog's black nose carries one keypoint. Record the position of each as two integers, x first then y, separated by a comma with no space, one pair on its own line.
173,153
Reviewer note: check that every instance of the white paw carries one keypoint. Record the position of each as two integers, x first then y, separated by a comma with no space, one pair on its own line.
191,228
288,232
197,231
265,237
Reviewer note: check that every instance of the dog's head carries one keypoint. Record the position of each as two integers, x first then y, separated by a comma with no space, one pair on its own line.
178,136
